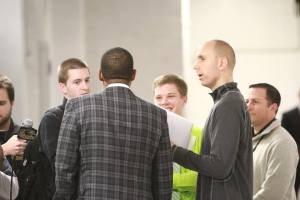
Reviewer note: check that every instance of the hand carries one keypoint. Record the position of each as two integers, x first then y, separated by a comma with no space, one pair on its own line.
14,146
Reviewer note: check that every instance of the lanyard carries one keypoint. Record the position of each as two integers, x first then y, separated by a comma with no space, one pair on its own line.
260,139
261,132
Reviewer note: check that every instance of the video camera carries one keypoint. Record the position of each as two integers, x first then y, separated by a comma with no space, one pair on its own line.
26,131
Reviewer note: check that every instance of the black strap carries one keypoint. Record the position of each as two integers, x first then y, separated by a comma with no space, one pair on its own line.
260,139
266,126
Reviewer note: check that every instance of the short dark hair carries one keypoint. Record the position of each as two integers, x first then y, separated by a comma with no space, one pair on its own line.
172,79
273,95
66,65
5,83
117,63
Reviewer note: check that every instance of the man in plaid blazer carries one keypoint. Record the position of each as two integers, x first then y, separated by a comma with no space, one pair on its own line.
113,145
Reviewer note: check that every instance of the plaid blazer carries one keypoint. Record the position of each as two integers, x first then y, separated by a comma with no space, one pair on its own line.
113,145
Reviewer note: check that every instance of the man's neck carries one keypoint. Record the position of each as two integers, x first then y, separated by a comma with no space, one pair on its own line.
107,82
262,127
5,126
257,130
222,81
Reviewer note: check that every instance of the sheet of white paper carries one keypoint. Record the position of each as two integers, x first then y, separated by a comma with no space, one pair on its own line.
179,129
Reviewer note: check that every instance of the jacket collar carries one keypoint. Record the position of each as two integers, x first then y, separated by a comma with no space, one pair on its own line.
268,130
63,105
220,91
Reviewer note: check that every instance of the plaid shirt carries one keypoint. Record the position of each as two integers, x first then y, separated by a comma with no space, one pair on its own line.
113,145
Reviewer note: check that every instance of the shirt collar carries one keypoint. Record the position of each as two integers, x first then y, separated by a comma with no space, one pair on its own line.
267,130
117,85
264,128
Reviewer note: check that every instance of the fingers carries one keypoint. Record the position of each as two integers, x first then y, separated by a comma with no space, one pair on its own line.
20,146
14,146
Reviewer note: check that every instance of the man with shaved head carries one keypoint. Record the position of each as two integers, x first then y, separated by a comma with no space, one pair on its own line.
224,165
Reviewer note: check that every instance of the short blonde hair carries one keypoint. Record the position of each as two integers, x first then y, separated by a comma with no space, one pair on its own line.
171,79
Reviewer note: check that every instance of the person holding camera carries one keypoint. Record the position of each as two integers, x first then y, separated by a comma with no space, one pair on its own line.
11,145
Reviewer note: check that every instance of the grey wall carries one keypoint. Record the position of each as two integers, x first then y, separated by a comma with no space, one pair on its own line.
12,51
41,34
151,30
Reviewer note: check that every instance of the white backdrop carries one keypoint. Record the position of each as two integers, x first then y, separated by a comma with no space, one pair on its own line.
162,35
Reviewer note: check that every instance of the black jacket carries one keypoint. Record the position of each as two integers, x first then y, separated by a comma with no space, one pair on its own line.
291,122
48,136
4,137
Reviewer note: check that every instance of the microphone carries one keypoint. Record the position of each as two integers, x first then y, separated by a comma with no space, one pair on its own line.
27,133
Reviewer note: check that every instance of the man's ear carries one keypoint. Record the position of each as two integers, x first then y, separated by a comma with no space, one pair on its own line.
185,99
133,74
63,88
274,107
222,63
100,75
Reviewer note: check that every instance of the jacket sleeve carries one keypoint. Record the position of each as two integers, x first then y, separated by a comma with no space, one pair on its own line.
162,166
67,157
48,133
281,171
285,122
227,126
186,180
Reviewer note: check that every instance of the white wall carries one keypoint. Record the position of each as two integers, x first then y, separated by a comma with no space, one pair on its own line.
55,30
265,35
12,61
150,30
66,38
36,100
86,29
